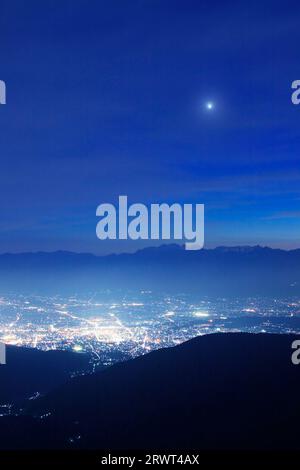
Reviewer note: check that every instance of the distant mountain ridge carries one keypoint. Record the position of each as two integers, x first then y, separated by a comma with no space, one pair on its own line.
242,270
170,247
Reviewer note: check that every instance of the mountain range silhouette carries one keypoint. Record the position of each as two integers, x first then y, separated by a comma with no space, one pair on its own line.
225,271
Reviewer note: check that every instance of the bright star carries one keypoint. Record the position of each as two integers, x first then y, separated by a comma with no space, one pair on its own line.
209,105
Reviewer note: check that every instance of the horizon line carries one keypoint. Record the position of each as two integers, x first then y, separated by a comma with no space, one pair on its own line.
165,245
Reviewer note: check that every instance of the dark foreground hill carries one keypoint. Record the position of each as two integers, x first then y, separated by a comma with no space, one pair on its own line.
224,391
30,371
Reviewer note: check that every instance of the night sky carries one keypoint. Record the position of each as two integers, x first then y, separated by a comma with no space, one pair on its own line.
110,97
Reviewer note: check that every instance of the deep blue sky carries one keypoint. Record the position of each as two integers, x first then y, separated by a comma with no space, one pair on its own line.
107,98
